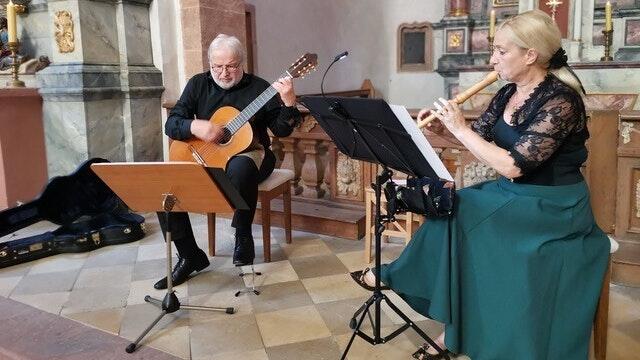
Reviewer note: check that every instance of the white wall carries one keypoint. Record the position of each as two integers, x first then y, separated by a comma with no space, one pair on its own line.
285,29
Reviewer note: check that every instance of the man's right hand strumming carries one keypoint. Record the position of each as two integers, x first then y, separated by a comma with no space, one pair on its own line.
206,130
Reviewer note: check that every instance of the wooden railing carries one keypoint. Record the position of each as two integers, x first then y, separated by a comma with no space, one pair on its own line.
321,172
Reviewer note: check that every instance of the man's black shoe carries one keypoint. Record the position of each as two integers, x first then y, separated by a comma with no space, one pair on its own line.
244,252
184,267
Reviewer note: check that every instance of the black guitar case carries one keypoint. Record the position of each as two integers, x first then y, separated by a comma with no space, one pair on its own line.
90,215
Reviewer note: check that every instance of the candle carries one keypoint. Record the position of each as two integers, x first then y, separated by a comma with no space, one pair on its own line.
492,23
607,16
11,22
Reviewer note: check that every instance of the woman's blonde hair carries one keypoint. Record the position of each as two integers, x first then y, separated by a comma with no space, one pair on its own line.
535,29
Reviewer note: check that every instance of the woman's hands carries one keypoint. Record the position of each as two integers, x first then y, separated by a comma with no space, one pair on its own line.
450,116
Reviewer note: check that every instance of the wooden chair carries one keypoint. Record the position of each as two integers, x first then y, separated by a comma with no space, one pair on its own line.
278,183
402,227
601,321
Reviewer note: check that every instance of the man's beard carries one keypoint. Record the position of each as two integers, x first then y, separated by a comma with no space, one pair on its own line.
224,84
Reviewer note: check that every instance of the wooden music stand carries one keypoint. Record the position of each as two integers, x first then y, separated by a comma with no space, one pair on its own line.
171,187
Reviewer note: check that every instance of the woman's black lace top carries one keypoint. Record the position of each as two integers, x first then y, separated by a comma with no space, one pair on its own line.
547,139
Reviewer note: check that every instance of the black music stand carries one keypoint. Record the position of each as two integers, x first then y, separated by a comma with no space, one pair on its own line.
368,130
171,187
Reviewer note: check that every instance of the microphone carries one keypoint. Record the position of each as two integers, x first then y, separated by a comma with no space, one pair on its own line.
338,57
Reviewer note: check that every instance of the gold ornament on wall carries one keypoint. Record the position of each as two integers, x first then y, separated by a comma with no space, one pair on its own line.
63,24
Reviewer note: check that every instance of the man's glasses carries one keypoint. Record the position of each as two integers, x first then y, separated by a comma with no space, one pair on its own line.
230,68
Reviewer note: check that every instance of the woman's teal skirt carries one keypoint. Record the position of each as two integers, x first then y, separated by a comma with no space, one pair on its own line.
515,274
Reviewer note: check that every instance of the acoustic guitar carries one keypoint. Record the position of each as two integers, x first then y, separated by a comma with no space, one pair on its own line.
237,133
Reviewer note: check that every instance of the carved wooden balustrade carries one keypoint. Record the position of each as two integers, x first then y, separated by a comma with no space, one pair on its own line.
321,172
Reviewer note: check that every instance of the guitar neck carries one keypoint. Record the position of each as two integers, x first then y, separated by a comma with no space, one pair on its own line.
255,106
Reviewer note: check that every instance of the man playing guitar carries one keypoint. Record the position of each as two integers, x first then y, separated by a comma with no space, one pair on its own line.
224,85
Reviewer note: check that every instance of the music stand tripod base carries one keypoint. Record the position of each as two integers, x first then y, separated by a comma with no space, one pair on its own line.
368,130
251,289
170,303
176,186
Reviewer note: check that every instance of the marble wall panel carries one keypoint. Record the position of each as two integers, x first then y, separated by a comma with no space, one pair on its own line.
632,32
99,32
138,34
479,40
146,129
65,136
35,34
105,129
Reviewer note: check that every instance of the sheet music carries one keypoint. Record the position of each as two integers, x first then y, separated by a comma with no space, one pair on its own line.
421,141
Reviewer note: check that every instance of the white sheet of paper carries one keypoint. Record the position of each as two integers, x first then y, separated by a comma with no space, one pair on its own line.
421,141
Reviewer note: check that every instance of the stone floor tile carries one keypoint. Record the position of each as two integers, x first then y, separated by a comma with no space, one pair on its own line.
354,260
49,302
315,266
280,296
291,325
302,248
397,348
223,299
242,355
7,284
108,276
320,349
150,269
272,273
139,289
136,318
332,288
339,245
60,262
46,283
215,337
112,255
108,320
157,250
213,281
337,315
96,298
174,341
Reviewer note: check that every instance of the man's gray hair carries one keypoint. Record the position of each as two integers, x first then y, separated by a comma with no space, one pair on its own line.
229,42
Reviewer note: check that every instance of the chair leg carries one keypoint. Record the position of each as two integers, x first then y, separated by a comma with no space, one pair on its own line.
602,318
286,198
265,203
211,235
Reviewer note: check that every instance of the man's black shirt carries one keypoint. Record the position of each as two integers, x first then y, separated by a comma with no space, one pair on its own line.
202,97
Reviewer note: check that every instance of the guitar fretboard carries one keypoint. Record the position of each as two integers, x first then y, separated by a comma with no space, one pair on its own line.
246,114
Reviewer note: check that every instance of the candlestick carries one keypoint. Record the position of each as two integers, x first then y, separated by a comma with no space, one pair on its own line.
14,82
607,17
492,24
608,35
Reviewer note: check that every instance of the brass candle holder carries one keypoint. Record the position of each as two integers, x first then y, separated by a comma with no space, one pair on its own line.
608,39
490,38
14,82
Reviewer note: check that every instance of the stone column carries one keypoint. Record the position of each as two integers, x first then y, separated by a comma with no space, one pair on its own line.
204,19
102,93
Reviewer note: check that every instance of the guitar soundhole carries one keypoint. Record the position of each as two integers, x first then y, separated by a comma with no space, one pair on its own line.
226,136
